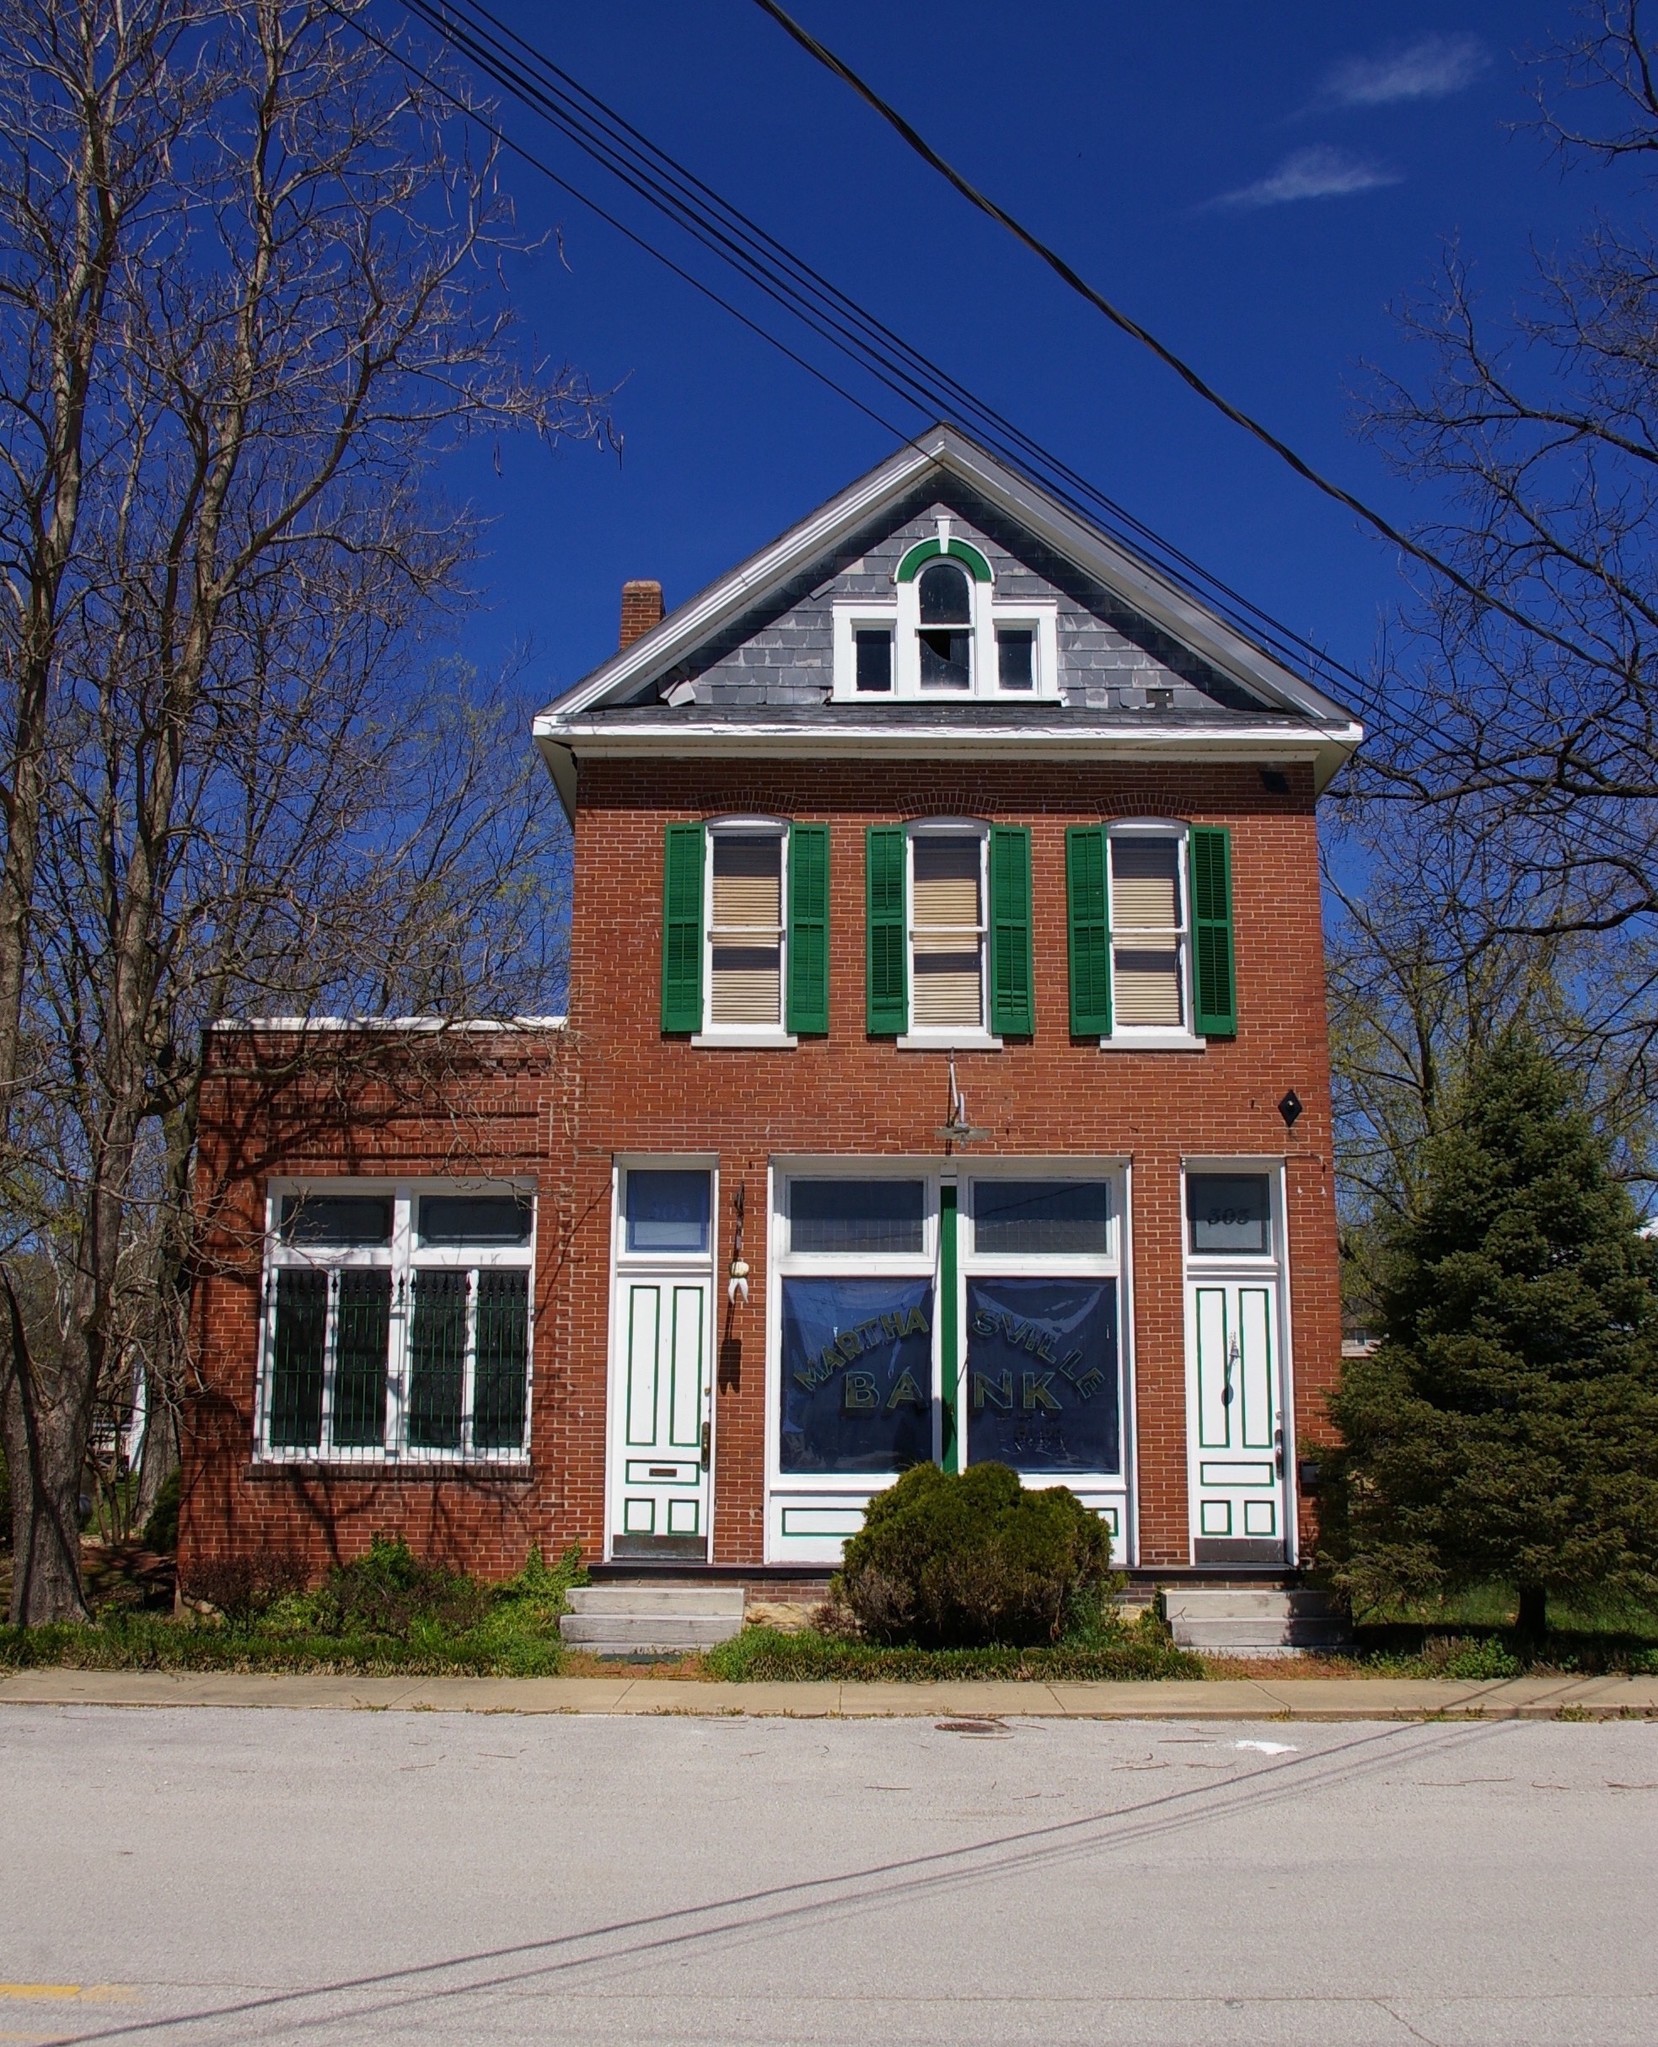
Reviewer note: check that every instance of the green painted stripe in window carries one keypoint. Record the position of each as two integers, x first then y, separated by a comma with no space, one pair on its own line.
924,551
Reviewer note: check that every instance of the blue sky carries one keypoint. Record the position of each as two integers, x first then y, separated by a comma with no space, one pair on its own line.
1256,184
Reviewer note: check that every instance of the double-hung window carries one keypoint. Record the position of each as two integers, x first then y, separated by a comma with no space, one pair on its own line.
948,957
397,1325
745,931
947,932
1151,946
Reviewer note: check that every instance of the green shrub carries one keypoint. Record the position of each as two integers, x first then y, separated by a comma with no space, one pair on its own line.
964,1561
391,1592
160,1531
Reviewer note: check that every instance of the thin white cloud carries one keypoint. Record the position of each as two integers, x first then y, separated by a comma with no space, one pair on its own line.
1430,68
1316,173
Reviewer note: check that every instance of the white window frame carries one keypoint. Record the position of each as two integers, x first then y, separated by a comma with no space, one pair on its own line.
1112,1493
827,1507
1154,1037
901,617
753,1037
402,1258
934,1038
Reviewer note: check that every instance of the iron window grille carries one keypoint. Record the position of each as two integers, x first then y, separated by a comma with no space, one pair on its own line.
397,1326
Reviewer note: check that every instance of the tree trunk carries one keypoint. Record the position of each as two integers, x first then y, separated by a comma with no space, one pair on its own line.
158,1456
45,1441
1532,1620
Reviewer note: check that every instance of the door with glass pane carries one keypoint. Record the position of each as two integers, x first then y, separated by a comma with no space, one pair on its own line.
661,1415
1235,1403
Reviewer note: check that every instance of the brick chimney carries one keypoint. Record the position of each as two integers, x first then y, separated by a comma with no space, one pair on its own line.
641,609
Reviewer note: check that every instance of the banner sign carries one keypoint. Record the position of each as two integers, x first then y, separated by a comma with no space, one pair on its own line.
1042,1380
857,1374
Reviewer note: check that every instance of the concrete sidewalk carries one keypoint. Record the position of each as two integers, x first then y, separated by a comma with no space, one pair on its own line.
1286,1698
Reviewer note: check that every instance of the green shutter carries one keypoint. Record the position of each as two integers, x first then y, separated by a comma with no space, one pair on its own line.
887,983
808,928
1088,903
1214,982
1012,1011
682,928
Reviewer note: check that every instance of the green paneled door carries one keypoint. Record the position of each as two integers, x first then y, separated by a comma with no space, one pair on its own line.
660,1410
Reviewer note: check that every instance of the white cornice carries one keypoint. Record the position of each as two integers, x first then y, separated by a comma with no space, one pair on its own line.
1325,747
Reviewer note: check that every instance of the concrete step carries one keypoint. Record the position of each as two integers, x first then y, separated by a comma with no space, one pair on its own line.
647,1620
1258,1634
723,1600
633,1634
1251,1621
1218,1602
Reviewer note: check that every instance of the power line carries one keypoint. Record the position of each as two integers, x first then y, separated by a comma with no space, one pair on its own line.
625,153
698,210
1136,331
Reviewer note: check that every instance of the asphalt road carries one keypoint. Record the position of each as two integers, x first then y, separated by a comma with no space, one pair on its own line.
199,1877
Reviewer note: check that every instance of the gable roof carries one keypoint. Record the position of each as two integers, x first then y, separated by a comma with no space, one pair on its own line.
604,713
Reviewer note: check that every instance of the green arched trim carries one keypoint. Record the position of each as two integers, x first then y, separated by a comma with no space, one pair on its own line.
924,551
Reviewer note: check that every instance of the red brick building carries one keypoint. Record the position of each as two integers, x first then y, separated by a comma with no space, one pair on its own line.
945,1076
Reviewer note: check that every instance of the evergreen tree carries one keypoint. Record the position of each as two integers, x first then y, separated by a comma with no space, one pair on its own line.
1507,1426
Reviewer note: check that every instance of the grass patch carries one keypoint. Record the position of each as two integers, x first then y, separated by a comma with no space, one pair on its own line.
1106,1650
1472,1635
386,1614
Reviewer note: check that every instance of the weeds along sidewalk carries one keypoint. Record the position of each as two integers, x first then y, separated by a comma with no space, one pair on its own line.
971,1699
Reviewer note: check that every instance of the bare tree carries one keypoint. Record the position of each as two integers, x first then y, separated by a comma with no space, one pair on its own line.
248,272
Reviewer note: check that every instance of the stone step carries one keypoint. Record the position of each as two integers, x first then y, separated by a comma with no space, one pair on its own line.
1214,1603
726,1601
1258,1634
634,1634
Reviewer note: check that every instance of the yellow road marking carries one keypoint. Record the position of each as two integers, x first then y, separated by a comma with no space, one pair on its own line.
66,1992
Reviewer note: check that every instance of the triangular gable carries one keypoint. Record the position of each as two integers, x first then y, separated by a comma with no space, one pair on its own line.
941,454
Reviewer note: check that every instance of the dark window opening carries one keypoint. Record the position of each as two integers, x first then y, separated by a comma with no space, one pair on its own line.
944,595
946,661
874,661
1016,657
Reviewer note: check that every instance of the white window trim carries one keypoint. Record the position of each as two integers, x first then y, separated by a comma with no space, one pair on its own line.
402,1258
1155,1037
901,617
951,1038
745,1037
845,1494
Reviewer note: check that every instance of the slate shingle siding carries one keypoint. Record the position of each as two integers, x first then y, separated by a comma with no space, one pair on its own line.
782,653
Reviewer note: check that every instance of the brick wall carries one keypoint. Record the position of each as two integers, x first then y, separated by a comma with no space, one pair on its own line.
560,1106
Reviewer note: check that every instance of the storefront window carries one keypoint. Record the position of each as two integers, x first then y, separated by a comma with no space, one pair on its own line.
1041,1217
1042,1380
857,1375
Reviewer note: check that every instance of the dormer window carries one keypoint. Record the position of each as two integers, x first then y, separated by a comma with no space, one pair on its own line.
945,633
947,630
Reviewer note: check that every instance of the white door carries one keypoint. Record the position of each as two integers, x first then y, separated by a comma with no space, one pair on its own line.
660,1417
1237,1422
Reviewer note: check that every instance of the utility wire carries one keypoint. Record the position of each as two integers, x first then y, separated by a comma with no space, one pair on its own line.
625,153
1133,328
581,115
629,155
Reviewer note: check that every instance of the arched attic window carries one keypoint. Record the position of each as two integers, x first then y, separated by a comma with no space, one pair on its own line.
946,626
